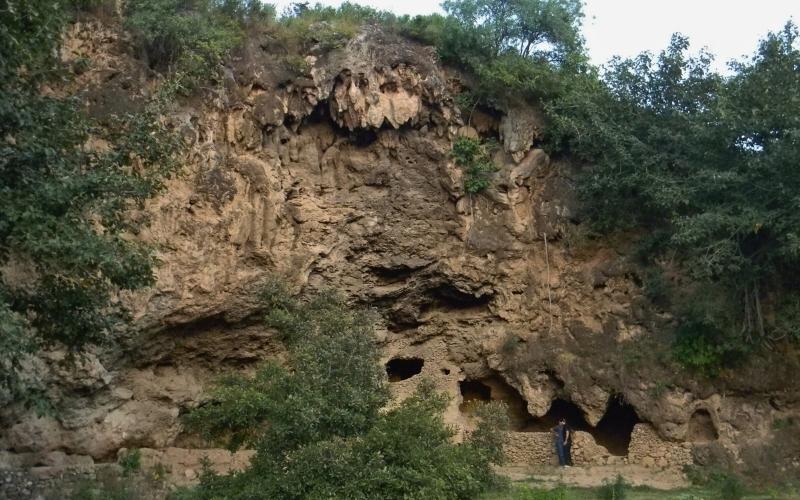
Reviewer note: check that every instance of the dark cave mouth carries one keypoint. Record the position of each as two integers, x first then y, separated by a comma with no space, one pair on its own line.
613,431
398,369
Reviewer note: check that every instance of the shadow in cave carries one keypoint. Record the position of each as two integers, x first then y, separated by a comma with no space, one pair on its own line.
447,296
399,369
614,430
559,408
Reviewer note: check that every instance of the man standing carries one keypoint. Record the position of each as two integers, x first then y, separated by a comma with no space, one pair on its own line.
563,439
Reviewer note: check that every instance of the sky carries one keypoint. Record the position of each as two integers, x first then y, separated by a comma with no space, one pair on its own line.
730,29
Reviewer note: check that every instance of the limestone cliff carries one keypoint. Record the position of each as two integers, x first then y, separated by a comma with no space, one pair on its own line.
341,177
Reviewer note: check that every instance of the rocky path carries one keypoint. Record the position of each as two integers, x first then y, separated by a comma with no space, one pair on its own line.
595,475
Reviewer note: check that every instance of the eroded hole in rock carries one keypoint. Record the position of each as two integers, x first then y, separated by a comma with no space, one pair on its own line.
450,297
403,368
495,389
392,274
363,137
614,430
473,391
702,428
559,408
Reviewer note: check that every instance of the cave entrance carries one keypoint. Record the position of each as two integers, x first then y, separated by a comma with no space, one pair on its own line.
494,388
702,428
559,408
614,430
403,368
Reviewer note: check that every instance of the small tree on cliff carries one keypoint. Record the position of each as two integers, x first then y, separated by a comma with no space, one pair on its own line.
318,428
65,248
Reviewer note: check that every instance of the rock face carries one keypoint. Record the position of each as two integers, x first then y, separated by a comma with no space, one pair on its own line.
341,178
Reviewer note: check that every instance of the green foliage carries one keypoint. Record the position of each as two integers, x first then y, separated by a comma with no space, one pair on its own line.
707,164
515,50
546,29
523,492
190,38
64,232
722,484
131,461
109,484
613,490
702,343
318,429
324,28
475,158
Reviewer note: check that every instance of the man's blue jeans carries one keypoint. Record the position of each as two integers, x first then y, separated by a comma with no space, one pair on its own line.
562,452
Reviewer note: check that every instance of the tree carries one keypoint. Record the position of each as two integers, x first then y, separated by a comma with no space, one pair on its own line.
65,248
530,28
317,425
707,166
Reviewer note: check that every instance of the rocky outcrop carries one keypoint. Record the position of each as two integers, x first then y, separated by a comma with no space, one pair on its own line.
341,178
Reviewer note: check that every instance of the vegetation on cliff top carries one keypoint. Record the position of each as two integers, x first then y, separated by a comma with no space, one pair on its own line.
317,425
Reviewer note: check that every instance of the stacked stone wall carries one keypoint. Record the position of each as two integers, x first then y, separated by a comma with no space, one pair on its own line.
649,449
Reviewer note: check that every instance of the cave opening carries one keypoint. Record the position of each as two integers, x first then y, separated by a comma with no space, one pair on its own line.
473,390
495,388
614,430
403,368
448,296
559,408
702,428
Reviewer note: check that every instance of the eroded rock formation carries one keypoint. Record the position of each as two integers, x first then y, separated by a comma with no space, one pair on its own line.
342,178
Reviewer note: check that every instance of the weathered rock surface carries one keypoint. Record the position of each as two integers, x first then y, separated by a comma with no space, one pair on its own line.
342,178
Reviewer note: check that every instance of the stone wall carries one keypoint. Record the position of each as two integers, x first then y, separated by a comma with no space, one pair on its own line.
537,448
648,449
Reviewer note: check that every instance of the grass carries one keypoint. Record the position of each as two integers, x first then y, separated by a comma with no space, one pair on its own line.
526,491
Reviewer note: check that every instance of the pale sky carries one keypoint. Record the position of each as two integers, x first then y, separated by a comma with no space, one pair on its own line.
728,28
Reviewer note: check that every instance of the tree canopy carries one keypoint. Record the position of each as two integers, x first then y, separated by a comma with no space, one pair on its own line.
64,245
708,167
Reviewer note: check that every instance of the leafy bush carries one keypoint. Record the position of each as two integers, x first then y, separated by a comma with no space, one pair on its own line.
64,207
131,461
474,157
317,429
726,486
613,490
708,192
190,37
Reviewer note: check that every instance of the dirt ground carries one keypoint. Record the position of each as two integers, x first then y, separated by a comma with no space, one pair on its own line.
594,476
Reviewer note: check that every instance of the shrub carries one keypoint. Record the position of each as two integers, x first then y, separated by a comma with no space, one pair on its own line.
727,486
64,209
474,157
131,461
189,37
317,429
613,490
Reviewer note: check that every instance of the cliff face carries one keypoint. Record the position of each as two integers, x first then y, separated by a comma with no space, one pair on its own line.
340,177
